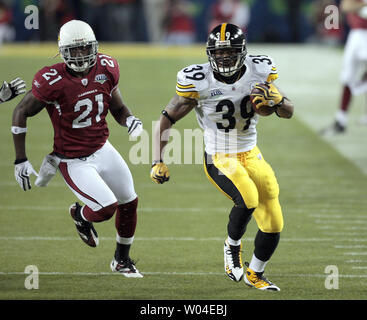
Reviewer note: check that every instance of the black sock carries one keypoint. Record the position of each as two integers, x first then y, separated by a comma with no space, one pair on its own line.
265,244
122,251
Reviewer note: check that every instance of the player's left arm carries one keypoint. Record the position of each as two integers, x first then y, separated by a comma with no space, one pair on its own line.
123,115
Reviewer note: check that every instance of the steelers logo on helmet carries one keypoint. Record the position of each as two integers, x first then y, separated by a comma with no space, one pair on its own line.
226,49
78,45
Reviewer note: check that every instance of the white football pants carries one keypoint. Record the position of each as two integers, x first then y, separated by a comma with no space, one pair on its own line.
355,61
101,179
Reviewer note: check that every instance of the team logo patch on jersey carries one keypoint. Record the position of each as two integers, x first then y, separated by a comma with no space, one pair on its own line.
85,82
101,78
216,92
36,83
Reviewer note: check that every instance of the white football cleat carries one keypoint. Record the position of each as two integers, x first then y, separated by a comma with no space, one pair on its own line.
233,262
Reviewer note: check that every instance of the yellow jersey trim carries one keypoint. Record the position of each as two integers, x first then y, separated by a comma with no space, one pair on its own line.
272,77
188,94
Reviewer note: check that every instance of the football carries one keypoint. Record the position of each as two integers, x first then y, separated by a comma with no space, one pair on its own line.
263,110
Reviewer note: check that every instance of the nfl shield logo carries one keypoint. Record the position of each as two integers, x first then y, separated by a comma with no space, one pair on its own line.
84,82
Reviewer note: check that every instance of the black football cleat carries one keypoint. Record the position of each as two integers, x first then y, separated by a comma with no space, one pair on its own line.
126,268
84,228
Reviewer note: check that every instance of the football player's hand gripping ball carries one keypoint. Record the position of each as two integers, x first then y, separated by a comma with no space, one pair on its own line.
159,173
10,90
134,126
268,95
22,171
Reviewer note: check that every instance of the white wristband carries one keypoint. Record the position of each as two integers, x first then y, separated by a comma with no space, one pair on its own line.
18,130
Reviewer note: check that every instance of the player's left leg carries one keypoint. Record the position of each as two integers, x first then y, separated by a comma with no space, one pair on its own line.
115,172
269,218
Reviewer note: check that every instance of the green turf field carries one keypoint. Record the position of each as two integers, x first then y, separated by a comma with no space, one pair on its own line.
182,224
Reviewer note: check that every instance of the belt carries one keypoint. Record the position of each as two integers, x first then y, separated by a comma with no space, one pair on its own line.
61,156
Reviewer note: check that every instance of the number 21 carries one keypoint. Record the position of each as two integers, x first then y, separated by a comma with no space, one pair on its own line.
83,120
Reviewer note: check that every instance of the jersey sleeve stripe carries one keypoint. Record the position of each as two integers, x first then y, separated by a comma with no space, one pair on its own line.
188,86
188,94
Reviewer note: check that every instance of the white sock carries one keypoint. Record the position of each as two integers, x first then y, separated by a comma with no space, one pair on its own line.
232,242
342,117
122,240
257,265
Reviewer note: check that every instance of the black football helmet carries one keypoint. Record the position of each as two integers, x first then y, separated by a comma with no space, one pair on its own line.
226,36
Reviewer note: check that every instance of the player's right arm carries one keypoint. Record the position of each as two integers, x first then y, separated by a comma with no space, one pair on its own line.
177,108
351,6
29,106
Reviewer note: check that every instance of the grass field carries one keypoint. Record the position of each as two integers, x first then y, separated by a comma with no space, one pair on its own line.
182,224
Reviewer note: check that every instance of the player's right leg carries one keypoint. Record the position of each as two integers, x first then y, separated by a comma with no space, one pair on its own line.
231,178
84,181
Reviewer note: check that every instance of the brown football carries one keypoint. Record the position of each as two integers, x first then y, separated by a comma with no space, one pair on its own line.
263,110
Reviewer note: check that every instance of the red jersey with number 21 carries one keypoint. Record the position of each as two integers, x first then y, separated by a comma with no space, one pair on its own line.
78,106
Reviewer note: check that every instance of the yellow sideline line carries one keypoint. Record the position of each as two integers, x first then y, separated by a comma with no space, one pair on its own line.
116,50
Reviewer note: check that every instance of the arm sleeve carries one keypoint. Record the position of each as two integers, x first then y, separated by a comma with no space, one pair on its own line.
42,89
186,87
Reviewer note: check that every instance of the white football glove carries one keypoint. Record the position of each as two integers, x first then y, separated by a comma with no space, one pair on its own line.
10,90
134,126
22,171
48,169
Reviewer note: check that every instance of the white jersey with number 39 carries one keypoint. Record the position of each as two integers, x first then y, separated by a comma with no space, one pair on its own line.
224,111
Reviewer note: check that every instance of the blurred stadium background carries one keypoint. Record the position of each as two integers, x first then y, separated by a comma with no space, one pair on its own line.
182,224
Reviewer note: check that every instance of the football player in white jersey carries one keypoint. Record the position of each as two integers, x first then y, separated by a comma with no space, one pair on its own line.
219,92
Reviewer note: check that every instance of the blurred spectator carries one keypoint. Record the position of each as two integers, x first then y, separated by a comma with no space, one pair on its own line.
124,20
232,11
178,23
321,34
294,17
154,13
6,31
91,11
53,14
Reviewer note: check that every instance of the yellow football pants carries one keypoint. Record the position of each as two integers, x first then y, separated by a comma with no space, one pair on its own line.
246,178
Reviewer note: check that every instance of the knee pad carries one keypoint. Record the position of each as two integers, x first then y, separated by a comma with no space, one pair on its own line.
270,185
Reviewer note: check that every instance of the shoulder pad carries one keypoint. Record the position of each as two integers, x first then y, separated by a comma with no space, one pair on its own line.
264,67
46,83
111,67
191,80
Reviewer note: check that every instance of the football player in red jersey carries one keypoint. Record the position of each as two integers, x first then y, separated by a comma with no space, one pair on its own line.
12,89
78,93
354,69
